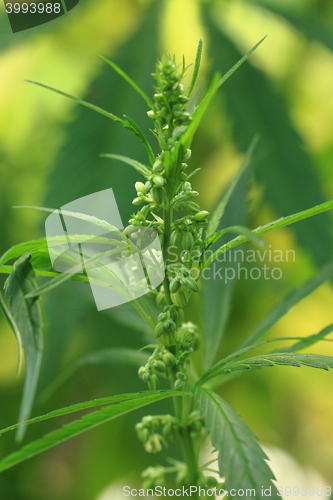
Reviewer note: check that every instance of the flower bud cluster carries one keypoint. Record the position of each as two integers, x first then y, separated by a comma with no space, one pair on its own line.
152,431
160,363
170,111
188,341
167,321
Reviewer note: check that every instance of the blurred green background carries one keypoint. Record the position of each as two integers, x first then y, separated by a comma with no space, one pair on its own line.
49,151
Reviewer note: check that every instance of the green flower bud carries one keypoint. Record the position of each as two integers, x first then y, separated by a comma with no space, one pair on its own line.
192,285
188,241
180,298
151,114
148,185
158,166
183,176
201,216
169,326
162,317
192,207
153,383
157,195
154,444
142,371
179,384
146,376
161,299
168,358
174,238
140,187
187,155
159,330
130,230
137,201
159,181
174,286
159,366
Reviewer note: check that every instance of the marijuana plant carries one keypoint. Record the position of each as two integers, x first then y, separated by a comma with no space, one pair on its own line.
166,201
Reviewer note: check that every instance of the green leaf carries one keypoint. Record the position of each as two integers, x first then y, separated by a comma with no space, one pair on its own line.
219,210
78,170
241,460
238,230
279,358
271,226
77,427
309,341
196,67
283,167
100,273
129,80
283,307
84,103
145,171
216,293
15,329
114,355
26,315
88,404
38,248
138,132
310,24
217,82
77,215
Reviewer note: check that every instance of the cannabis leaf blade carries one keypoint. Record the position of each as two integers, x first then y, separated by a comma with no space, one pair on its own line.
241,459
79,426
129,80
196,67
145,171
91,404
288,302
26,314
114,355
219,210
279,358
272,226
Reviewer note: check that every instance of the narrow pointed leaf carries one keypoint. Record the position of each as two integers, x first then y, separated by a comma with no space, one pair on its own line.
138,132
283,307
238,230
114,356
129,80
309,341
92,404
26,315
15,329
187,137
241,460
77,427
82,102
143,169
278,358
219,211
196,67
272,226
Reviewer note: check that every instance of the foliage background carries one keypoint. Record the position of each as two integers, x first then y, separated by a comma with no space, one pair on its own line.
49,156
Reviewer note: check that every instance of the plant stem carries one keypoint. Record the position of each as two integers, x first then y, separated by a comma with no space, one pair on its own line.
167,217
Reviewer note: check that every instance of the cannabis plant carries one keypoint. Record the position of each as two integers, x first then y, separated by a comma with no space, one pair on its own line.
187,234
